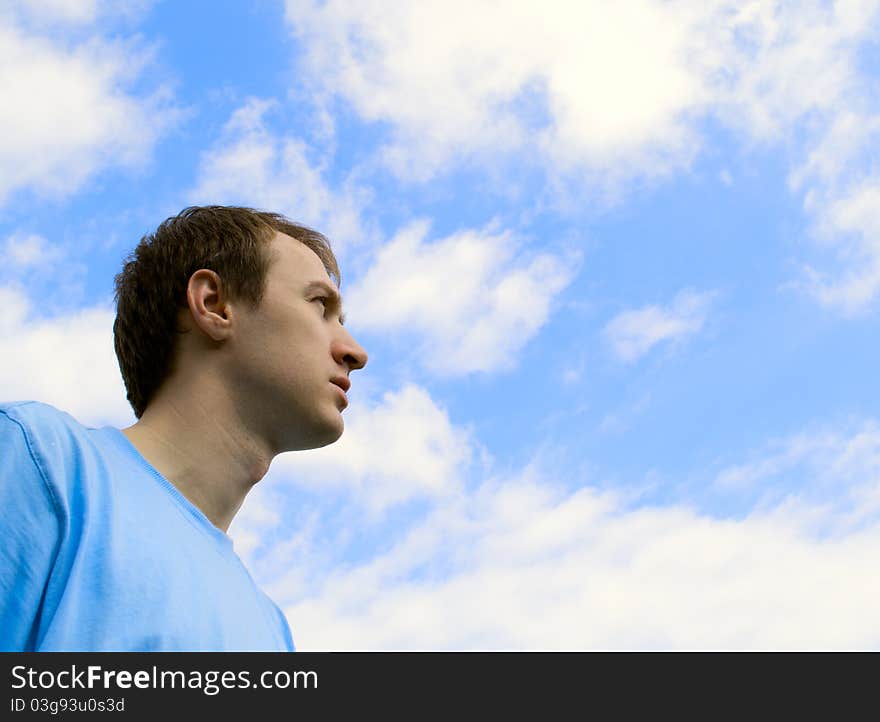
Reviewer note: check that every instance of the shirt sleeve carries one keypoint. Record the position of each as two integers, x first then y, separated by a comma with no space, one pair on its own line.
30,532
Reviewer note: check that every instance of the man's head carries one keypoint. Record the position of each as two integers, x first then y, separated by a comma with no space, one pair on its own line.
235,292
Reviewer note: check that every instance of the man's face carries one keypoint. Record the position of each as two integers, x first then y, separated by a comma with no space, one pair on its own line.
286,354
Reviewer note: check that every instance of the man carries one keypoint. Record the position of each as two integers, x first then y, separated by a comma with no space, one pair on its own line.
230,338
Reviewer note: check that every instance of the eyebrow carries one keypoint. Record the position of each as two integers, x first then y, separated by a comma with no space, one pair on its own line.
335,298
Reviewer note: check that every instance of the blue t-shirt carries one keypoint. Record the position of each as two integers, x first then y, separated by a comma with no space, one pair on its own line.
99,552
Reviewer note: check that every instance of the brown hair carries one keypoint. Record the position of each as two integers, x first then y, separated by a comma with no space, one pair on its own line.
151,288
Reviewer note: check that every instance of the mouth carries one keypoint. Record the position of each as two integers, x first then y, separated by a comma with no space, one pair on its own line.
342,382
341,392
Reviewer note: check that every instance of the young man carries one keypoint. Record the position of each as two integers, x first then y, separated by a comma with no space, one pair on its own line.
230,338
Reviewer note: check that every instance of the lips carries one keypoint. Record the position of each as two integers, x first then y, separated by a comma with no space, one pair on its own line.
342,382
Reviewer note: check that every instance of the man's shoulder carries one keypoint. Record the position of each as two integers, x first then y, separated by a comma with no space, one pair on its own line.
36,414
47,430
72,459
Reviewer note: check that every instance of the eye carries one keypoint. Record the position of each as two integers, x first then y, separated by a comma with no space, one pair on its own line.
322,299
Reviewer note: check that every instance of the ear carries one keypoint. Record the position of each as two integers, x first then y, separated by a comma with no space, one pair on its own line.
209,304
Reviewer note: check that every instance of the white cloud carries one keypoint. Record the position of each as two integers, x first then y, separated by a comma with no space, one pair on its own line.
67,112
831,468
765,50
522,562
457,80
839,150
402,448
47,270
255,519
849,220
472,302
87,384
842,197
611,84
75,12
839,174
21,250
251,165
632,334
601,94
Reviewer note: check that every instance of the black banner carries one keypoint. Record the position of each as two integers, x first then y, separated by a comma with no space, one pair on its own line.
116,685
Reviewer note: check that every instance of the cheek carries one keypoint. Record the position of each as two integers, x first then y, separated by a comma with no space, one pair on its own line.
293,346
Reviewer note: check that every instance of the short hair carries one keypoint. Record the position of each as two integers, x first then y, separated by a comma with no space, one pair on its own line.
151,288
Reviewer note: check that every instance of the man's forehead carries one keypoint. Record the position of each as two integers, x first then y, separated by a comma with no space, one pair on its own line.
295,259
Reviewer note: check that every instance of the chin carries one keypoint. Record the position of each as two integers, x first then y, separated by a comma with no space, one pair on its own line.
331,438
325,435
312,432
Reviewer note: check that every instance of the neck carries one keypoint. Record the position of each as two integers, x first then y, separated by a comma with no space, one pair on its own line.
199,444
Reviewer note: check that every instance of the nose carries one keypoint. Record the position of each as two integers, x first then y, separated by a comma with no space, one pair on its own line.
348,352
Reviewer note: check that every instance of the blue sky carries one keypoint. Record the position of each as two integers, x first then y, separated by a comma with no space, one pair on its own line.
617,269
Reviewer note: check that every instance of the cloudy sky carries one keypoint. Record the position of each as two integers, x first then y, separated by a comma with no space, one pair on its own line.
617,266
